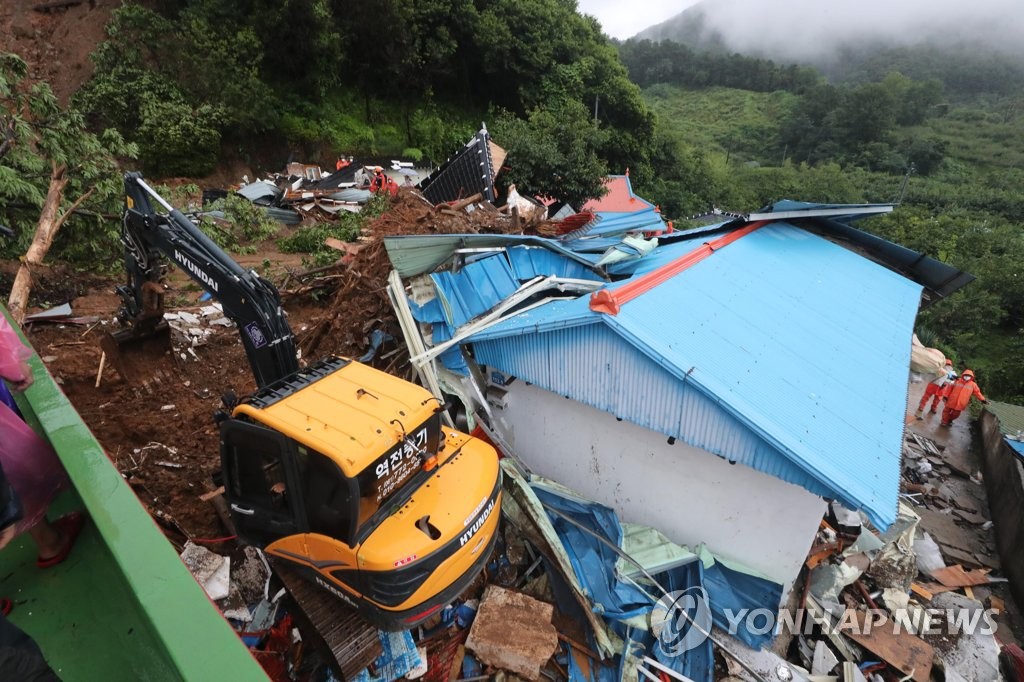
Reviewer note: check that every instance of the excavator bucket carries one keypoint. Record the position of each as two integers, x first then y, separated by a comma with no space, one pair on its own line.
134,351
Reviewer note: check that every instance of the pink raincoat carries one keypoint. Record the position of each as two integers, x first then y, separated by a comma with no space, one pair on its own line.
29,462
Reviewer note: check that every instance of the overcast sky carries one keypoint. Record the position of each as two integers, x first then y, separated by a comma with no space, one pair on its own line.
800,29
621,19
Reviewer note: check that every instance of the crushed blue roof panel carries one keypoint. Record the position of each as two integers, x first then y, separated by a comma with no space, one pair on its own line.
529,262
1015,445
771,333
416,254
474,289
451,358
648,220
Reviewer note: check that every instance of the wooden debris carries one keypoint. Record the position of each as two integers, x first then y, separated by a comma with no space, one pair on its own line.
921,591
976,519
819,553
956,576
99,372
908,653
206,497
931,588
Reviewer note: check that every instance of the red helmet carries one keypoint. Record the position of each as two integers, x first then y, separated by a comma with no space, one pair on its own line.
967,373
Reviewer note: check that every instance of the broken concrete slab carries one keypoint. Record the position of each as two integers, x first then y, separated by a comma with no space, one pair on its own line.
210,570
513,632
976,654
824,661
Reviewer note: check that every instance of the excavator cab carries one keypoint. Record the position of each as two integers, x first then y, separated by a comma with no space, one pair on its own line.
347,474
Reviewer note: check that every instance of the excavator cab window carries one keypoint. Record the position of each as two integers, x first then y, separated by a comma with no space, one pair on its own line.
328,495
260,480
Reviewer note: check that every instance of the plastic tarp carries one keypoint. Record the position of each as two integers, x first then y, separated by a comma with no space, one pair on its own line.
399,658
622,600
927,361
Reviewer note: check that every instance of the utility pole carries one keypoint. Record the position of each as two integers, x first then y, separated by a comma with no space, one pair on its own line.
903,186
596,97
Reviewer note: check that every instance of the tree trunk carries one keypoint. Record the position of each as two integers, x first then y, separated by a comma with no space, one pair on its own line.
46,230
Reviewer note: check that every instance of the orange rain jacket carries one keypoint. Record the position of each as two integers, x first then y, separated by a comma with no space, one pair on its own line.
962,391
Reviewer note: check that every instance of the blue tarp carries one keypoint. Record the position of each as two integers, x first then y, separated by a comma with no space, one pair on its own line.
617,600
399,657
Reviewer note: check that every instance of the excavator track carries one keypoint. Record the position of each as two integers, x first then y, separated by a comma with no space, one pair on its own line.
351,640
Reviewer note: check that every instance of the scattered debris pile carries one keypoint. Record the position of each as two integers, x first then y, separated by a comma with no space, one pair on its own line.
360,303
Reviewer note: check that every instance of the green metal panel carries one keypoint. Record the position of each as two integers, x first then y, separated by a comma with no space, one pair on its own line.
123,606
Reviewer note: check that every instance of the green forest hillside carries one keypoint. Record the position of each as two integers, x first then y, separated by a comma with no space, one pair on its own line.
953,158
182,88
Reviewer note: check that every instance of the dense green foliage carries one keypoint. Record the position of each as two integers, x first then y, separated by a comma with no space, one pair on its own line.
966,211
193,82
310,239
38,141
651,62
194,77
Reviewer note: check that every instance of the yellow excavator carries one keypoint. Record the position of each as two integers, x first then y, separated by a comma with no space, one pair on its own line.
342,471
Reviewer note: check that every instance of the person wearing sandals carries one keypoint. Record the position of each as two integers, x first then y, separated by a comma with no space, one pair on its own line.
31,465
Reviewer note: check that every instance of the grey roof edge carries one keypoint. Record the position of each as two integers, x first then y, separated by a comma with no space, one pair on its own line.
939,279
394,244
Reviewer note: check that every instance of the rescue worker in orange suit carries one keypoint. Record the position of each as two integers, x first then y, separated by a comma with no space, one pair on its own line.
960,395
937,389
382,182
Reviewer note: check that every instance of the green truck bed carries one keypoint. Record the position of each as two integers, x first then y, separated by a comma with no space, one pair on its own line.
122,606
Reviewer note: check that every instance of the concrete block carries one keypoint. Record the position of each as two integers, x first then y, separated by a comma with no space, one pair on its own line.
513,632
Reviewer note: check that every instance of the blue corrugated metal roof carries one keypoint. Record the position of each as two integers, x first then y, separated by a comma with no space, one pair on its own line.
474,289
531,261
1015,445
782,350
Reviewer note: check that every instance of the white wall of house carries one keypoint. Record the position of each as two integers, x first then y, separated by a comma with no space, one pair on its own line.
689,494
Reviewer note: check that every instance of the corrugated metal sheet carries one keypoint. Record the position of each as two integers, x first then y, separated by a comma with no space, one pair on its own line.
532,261
475,289
644,220
1011,423
468,172
802,342
417,254
620,197
593,365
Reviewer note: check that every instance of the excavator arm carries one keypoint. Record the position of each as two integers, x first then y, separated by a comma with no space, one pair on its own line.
248,300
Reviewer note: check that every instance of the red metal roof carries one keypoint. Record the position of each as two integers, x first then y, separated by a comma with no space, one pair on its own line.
619,199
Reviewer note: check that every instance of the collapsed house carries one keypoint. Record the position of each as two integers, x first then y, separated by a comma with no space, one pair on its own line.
719,386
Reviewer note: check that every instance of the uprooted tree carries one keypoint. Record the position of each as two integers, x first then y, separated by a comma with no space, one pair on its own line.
53,172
